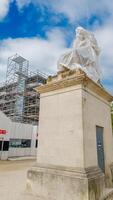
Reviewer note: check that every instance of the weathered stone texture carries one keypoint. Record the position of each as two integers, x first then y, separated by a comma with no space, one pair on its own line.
71,106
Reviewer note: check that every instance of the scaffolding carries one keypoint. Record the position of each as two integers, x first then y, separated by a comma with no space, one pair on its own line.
18,99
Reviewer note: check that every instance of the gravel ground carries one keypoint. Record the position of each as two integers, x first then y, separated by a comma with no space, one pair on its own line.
13,180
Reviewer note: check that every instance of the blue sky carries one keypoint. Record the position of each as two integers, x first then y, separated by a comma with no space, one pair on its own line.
41,30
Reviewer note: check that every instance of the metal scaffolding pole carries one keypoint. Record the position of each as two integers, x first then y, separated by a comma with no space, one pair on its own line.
17,73
18,99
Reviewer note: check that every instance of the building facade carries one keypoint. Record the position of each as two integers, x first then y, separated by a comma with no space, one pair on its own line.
19,109
16,139
18,98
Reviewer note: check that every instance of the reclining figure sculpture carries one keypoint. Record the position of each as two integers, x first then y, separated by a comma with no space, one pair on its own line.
84,54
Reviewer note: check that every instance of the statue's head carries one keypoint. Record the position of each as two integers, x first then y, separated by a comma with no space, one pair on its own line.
81,33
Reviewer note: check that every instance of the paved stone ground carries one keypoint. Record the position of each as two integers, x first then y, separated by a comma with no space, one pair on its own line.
13,180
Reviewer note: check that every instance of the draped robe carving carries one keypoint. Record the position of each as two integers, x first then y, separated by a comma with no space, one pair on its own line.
84,54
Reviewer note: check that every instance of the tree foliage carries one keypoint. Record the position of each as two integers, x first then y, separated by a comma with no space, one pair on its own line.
112,115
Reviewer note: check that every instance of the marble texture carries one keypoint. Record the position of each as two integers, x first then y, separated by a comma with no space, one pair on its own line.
84,54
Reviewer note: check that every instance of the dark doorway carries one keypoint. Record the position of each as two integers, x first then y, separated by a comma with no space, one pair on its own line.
100,147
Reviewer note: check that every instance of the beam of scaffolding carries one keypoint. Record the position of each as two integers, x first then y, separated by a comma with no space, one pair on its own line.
18,99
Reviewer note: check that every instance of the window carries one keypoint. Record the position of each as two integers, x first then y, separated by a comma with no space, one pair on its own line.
36,144
6,146
25,143
0,145
16,143
20,143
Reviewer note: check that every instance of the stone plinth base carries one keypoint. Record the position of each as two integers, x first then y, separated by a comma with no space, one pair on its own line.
60,183
75,134
108,194
111,169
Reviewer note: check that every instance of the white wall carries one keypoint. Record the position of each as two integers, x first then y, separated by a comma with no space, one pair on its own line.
23,131
17,131
5,123
60,128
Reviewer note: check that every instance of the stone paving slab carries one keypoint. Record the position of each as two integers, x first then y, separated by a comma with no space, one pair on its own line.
13,180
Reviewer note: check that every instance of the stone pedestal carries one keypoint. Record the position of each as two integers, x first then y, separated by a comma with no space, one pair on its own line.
71,107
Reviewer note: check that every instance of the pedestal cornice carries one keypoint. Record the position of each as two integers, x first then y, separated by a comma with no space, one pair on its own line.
68,78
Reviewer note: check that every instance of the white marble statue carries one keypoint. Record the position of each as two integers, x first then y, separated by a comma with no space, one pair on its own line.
84,54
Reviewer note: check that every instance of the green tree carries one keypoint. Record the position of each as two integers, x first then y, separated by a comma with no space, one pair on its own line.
112,115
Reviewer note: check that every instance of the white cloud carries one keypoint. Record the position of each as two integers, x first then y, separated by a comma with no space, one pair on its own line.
73,9
44,53
4,7
22,3
104,36
41,53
